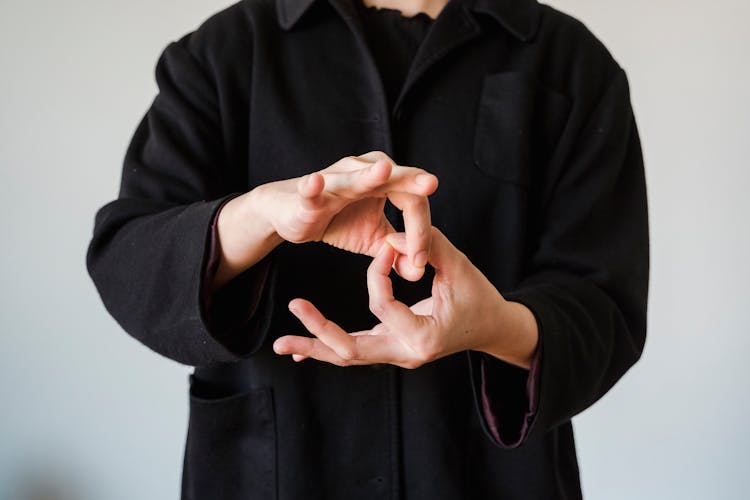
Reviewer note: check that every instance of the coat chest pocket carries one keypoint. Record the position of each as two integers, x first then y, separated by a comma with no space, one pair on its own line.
230,451
518,125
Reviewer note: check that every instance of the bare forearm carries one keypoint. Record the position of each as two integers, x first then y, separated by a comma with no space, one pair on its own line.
245,237
514,335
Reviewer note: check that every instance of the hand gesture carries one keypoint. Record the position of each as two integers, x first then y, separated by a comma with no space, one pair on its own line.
341,205
464,312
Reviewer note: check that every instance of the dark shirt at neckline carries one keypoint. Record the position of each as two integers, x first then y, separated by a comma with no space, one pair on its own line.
393,39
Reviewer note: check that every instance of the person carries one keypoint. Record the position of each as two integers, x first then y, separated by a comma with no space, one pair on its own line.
402,242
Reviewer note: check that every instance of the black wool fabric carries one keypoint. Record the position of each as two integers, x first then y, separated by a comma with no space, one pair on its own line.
393,39
524,117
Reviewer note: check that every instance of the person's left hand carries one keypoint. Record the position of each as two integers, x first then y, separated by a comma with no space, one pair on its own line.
465,312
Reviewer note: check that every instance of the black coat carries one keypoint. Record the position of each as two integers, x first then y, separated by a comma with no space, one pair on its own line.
525,119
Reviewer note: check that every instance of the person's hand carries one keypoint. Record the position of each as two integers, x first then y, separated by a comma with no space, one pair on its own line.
465,312
341,205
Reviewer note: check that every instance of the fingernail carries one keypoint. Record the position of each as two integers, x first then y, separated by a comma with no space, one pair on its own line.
420,260
424,179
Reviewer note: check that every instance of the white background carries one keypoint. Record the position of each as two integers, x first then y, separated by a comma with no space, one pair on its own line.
89,410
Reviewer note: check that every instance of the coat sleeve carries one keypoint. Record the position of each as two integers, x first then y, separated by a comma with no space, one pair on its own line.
150,248
587,276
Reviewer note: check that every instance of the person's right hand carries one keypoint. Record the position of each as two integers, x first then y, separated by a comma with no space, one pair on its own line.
341,205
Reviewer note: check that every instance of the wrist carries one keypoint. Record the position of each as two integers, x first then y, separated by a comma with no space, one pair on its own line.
253,217
513,335
244,236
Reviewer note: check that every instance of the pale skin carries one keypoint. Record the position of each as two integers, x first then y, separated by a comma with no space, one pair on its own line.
464,312
342,205
410,7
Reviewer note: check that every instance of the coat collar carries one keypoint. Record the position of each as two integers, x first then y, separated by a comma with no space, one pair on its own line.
519,17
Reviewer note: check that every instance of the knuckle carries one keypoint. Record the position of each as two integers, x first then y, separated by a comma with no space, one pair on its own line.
421,203
378,155
323,325
348,353
416,203
425,349
341,163
377,307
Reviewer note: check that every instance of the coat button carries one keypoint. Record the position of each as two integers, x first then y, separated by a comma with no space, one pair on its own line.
377,482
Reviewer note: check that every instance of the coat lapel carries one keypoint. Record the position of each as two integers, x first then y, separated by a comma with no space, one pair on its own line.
452,28
349,14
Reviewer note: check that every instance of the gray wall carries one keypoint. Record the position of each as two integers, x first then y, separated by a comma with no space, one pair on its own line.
88,410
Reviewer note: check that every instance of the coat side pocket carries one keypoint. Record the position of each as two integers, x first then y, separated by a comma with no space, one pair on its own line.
230,451
517,127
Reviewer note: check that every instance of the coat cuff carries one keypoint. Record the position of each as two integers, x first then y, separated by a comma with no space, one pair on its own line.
233,315
506,397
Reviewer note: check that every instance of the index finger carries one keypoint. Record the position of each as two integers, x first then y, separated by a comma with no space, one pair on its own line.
393,313
379,178
418,229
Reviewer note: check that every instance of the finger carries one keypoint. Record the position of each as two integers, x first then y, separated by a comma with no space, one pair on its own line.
402,264
327,331
355,184
411,180
306,347
402,174
405,178
395,314
423,307
352,162
373,156
377,350
397,241
417,225
310,188
378,178
443,254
